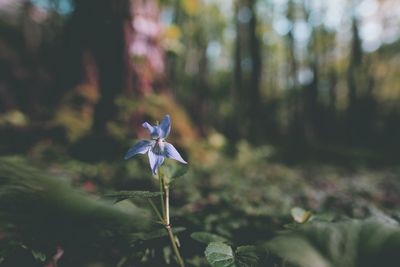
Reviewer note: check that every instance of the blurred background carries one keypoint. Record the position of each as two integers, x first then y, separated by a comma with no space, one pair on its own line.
295,74
275,104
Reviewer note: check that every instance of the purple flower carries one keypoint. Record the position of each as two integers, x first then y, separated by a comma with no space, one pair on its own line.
157,148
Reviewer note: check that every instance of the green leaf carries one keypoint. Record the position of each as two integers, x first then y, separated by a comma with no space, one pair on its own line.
323,217
174,170
297,250
122,195
350,243
247,256
38,255
300,215
207,238
44,203
219,254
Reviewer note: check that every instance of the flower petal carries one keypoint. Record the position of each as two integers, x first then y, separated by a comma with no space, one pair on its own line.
165,127
154,131
155,161
171,152
140,147
148,127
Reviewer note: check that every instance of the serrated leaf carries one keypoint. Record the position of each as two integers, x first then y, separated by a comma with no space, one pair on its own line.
219,254
205,237
300,215
247,256
38,255
122,195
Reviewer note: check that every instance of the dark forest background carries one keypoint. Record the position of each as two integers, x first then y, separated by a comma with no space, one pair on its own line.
287,111
296,74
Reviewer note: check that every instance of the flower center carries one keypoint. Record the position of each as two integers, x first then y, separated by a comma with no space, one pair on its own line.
158,147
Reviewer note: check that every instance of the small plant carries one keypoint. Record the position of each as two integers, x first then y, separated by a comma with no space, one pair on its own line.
157,150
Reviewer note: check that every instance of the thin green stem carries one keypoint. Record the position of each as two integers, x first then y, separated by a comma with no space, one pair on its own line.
169,229
174,246
156,210
161,181
164,189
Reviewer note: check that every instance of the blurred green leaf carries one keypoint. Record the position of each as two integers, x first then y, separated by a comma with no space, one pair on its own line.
207,238
122,195
324,217
297,250
247,256
219,254
174,170
48,212
348,243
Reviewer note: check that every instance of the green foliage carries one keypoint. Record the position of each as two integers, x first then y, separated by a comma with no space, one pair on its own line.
243,199
219,254
42,211
247,256
206,238
173,170
351,243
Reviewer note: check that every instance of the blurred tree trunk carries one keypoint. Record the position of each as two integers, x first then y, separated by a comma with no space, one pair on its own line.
311,108
255,80
355,62
352,72
333,79
333,126
313,115
237,79
295,111
98,34
248,67
200,106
